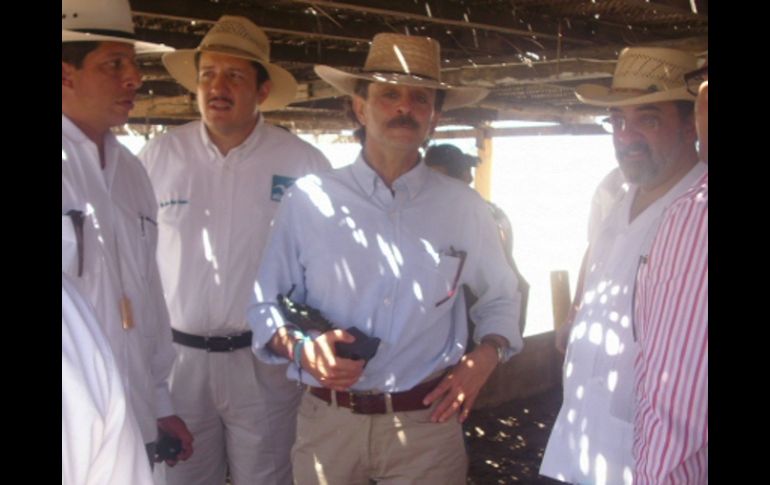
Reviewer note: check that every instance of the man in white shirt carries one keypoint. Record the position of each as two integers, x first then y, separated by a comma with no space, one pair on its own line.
218,182
109,211
100,440
651,119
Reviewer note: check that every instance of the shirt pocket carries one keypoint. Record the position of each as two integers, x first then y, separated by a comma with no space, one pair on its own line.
438,284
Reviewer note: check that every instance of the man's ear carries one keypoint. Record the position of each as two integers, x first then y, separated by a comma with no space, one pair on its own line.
264,91
358,109
67,73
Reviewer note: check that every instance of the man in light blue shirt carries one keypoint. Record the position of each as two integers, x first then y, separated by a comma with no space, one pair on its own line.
384,245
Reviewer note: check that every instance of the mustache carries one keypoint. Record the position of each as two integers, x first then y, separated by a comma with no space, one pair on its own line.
403,121
220,98
639,146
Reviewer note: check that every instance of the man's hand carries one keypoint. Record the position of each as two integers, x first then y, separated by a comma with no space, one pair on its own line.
319,360
174,426
459,389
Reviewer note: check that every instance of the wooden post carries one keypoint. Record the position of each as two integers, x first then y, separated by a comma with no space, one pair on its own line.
560,298
483,179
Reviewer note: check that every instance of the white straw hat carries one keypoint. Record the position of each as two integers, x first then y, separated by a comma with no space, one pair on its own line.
643,75
403,59
102,21
238,37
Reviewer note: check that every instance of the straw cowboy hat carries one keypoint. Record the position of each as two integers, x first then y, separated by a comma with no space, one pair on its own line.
403,59
643,75
102,21
238,37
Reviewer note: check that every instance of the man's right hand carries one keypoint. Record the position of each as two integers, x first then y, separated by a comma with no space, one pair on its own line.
320,361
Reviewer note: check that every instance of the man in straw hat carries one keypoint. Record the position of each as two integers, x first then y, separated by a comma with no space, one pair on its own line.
384,245
109,210
671,317
219,181
651,119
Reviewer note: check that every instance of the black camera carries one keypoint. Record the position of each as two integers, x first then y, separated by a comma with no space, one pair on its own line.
167,448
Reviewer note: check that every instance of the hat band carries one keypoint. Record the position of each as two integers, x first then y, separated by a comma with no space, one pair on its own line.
402,73
226,49
105,32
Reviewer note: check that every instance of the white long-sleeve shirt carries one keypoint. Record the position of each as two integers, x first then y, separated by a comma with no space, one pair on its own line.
390,263
214,217
100,440
119,241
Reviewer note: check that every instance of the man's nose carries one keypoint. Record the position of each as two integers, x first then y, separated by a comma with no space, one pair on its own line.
133,77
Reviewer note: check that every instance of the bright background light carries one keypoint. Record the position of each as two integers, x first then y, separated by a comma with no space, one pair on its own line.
543,183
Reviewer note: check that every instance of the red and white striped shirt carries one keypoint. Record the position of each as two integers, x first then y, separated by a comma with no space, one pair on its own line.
671,318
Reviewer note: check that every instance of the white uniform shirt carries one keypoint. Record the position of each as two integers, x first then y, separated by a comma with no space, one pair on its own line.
100,440
119,240
593,435
214,217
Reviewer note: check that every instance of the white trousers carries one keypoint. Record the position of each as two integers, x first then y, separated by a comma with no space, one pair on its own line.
242,414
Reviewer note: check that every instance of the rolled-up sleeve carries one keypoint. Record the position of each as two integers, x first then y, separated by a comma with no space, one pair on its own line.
495,284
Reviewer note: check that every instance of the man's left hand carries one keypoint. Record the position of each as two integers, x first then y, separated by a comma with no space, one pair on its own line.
459,389
174,426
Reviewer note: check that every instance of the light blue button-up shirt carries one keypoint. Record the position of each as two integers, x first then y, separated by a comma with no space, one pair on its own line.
388,263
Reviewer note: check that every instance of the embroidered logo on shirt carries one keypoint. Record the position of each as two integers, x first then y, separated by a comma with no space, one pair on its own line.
167,203
280,185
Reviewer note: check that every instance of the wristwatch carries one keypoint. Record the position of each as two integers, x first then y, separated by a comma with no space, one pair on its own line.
498,348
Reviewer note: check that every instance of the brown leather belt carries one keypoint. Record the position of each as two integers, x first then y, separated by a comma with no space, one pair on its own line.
362,403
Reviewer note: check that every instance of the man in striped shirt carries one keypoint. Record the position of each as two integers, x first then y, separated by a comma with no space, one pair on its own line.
671,420
651,120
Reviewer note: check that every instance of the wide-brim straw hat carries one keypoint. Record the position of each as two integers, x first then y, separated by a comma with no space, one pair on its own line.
406,60
643,75
238,37
102,21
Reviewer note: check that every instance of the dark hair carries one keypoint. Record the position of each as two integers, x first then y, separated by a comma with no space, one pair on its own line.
454,161
75,52
362,89
262,74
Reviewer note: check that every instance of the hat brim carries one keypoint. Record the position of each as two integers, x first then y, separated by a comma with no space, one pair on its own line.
141,47
345,82
598,95
181,65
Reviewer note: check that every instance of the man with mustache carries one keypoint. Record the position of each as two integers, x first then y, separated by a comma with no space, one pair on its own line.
384,245
218,182
653,130
109,210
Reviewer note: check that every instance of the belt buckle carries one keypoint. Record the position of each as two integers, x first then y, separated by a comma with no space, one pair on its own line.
360,406
219,344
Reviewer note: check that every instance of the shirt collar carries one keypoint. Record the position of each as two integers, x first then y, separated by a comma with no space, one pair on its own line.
251,140
369,181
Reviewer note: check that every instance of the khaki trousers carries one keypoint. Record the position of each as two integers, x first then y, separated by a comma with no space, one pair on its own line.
337,447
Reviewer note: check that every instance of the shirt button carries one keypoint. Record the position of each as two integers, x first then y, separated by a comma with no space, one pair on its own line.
387,301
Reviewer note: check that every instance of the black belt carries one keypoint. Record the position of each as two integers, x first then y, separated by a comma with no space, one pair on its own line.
363,403
213,344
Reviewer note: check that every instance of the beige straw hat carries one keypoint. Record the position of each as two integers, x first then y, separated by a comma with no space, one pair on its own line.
403,59
102,21
238,37
643,75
